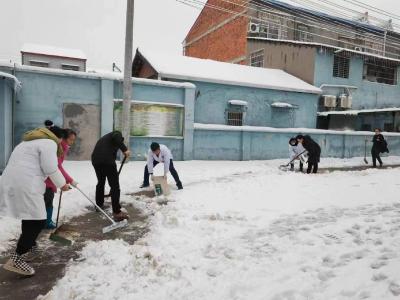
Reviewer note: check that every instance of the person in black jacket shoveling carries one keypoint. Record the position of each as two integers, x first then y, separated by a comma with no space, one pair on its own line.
379,146
103,161
314,152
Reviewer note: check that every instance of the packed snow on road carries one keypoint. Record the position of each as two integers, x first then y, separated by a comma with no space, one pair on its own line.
244,230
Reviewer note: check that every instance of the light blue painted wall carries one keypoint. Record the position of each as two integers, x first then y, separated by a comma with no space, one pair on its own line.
211,102
43,95
368,95
246,145
151,93
6,94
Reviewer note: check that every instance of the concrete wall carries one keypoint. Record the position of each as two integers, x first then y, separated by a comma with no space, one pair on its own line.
217,144
6,94
212,102
53,61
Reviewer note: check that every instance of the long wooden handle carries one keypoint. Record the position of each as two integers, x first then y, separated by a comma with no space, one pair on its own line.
58,210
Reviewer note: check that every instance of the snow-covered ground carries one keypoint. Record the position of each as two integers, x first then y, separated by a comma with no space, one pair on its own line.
246,230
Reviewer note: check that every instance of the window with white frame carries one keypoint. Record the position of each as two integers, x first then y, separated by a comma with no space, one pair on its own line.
257,58
273,25
303,33
341,66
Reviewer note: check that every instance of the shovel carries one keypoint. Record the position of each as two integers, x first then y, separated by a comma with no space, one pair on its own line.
283,167
119,171
114,225
365,152
55,235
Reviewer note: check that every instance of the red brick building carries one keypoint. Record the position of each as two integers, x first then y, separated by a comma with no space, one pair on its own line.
220,32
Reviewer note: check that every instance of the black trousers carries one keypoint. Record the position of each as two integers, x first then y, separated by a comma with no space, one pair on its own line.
48,198
30,232
109,172
174,173
312,164
375,156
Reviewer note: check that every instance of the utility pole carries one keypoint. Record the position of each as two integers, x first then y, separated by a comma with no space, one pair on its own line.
127,86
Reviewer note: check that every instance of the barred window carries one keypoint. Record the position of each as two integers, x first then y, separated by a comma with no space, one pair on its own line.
382,71
341,66
235,118
257,59
303,33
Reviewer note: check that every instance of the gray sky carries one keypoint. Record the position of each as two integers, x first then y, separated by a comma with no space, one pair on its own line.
97,26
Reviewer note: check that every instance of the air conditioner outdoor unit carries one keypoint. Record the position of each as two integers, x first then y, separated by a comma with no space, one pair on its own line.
345,101
254,27
329,101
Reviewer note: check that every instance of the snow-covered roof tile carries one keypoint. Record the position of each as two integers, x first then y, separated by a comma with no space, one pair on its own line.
206,70
53,51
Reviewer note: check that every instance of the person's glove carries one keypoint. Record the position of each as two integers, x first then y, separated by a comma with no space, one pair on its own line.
74,183
127,153
152,177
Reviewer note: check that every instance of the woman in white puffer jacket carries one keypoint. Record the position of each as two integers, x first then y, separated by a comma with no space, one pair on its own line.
22,187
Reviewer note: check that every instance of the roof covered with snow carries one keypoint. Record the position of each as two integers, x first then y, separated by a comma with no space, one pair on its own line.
53,51
206,70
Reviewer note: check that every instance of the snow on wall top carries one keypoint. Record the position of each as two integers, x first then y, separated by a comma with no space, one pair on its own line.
190,68
92,75
356,112
53,51
15,82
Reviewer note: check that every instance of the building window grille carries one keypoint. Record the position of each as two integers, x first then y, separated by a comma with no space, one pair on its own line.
36,63
303,33
257,59
341,66
380,71
273,25
235,118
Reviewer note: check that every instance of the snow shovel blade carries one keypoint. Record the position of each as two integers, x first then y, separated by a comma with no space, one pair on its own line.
283,167
54,236
115,225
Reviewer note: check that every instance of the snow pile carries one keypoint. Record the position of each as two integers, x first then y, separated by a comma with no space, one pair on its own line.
246,230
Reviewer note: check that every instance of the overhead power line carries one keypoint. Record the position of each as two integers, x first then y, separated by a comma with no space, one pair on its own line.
199,5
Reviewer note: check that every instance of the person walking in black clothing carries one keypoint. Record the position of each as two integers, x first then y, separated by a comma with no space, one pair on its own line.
103,161
379,146
314,152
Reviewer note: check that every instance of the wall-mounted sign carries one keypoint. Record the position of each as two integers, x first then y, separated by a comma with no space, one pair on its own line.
149,119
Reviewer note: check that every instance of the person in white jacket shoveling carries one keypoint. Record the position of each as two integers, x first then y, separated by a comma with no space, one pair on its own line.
160,153
22,187
296,152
